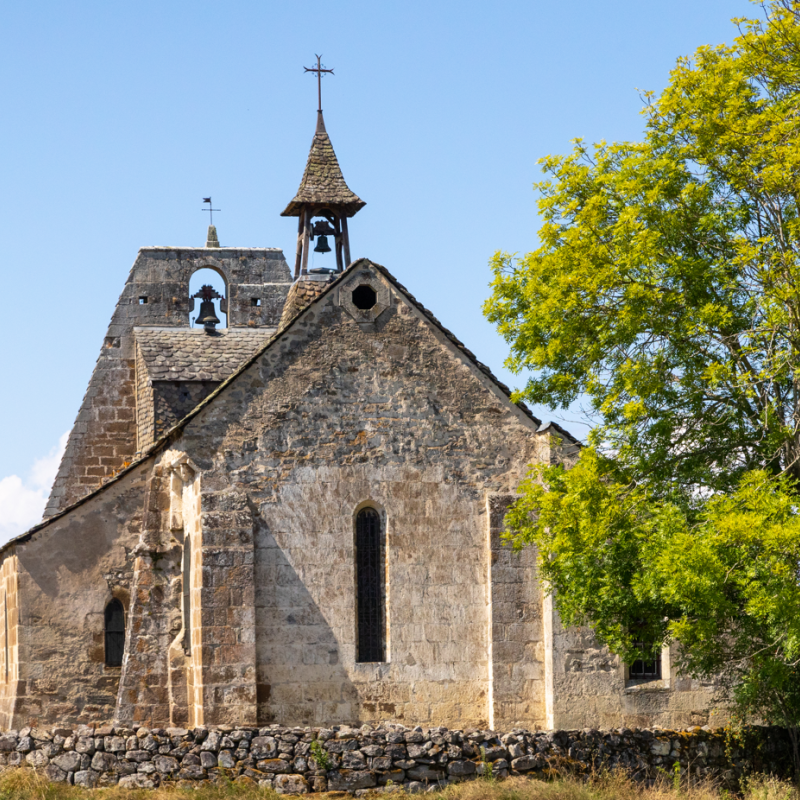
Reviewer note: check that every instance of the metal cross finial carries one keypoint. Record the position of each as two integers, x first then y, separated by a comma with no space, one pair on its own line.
210,210
319,70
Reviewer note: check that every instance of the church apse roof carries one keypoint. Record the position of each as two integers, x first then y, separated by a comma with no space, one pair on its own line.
323,182
171,354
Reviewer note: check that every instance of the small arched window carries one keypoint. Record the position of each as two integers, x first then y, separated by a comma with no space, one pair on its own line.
115,633
369,587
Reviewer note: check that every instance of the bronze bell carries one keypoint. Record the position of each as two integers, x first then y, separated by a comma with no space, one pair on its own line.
322,244
207,317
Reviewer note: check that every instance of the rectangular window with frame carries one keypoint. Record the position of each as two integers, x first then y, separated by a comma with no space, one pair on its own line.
648,665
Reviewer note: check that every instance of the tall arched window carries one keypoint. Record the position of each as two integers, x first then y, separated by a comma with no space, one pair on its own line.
187,593
115,633
369,587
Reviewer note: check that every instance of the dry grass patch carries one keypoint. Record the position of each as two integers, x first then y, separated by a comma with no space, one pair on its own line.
610,787
23,784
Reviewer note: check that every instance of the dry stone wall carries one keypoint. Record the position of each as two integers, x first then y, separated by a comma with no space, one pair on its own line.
363,760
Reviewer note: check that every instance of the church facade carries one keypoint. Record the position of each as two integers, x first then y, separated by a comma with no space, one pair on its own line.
298,518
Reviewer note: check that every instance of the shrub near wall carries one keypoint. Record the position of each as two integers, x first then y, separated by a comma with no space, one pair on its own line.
300,760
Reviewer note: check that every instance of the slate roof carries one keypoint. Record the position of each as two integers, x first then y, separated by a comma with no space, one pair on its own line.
182,354
323,182
304,291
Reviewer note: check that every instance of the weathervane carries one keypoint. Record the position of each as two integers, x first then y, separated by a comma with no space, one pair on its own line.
319,70
210,210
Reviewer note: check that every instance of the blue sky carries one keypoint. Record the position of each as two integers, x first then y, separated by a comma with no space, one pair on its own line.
119,117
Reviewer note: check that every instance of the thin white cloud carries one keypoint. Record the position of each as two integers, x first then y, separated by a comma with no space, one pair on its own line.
22,501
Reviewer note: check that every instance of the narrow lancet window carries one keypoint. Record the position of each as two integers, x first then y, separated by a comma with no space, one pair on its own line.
187,594
369,587
115,633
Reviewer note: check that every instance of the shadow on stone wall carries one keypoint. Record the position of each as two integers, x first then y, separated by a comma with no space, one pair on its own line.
300,675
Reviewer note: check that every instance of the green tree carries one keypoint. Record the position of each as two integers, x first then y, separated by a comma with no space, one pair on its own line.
721,581
665,294
665,288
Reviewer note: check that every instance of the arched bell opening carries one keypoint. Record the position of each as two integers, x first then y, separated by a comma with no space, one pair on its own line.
207,304
326,235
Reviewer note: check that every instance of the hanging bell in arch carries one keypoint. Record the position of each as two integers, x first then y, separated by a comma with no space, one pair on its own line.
207,317
322,244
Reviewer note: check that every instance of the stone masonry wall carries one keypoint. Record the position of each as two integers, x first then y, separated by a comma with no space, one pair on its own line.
173,400
335,415
302,760
516,627
104,437
592,686
66,574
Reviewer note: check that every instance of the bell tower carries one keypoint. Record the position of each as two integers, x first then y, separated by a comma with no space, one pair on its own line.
323,202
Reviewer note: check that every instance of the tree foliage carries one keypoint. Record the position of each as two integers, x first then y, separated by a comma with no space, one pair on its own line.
722,581
665,286
665,292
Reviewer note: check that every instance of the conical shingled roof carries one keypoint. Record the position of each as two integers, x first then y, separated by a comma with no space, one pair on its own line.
323,182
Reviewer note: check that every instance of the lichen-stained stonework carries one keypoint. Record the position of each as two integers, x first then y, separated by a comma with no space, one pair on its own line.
104,438
231,540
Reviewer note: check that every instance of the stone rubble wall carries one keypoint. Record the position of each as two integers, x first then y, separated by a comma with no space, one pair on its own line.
367,759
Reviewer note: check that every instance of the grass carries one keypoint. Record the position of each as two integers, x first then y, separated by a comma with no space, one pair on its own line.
609,787
22,784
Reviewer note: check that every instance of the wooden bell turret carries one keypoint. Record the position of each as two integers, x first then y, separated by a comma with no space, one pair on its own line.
323,194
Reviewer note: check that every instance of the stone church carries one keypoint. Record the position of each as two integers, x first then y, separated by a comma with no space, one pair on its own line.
296,518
